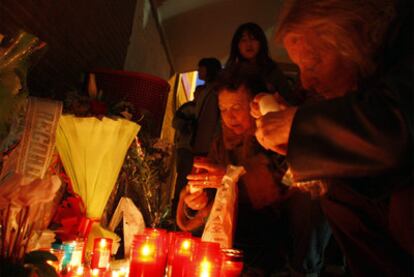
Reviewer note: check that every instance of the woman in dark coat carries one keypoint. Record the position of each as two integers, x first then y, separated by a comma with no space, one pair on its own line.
357,145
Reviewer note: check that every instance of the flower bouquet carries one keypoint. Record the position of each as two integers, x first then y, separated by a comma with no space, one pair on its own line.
146,175
29,192
92,152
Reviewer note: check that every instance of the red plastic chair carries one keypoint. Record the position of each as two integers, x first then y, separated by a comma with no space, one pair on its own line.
144,91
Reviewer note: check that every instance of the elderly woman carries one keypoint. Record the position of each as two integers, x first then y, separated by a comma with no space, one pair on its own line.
357,145
268,212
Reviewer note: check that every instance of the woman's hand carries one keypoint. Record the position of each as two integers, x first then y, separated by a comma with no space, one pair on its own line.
273,130
195,201
209,176
198,202
266,102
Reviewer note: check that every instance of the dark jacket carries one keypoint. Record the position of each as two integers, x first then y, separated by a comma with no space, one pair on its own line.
366,137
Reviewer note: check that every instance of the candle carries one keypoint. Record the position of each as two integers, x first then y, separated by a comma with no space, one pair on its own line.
232,263
145,257
67,256
101,253
172,238
79,271
181,256
205,268
161,237
77,253
123,272
206,262
95,272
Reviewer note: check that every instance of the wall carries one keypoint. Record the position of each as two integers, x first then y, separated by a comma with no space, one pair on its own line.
146,52
80,34
204,28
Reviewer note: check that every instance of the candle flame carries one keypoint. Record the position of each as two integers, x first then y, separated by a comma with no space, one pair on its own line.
79,270
186,245
102,243
185,248
205,268
147,250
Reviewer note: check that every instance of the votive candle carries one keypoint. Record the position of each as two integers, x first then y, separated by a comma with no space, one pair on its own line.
101,253
145,257
206,261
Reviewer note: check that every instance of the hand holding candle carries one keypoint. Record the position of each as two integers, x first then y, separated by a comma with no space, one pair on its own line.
273,121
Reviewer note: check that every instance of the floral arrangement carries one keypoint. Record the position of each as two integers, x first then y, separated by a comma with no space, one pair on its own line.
26,202
146,174
146,171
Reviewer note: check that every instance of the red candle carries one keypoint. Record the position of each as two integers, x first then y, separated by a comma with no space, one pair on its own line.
145,257
182,254
206,261
232,265
161,237
101,253
172,237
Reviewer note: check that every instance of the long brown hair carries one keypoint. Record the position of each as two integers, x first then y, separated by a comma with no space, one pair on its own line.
263,59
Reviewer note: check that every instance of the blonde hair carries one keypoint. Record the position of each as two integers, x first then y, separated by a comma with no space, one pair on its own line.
355,28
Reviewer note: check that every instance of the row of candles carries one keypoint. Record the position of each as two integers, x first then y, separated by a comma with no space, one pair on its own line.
155,253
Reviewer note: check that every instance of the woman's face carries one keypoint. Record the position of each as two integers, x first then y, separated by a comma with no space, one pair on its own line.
249,46
202,73
323,70
234,109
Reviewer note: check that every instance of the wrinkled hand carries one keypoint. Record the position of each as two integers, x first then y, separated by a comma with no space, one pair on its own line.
273,130
195,201
210,175
255,104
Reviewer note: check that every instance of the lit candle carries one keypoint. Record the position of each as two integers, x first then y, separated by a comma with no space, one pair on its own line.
182,254
123,272
206,262
101,253
78,272
232,263
205,268
67,256
147,253
77,254
95,272
145,257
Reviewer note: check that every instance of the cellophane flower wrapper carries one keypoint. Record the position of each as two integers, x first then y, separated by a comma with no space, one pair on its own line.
92,151
25,208
15,60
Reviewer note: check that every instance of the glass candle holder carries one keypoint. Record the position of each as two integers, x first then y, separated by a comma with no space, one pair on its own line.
161,237
67,248
172,237
101,254
146,256
77,254
232,265
181,256
206,261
